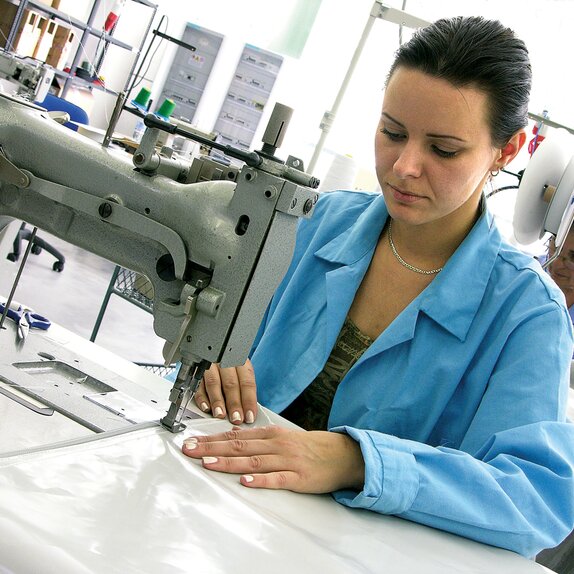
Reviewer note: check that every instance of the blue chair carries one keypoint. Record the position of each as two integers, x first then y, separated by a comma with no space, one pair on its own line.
55,104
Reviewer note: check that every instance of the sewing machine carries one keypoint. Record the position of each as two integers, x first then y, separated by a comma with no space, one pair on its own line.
30,78
214,251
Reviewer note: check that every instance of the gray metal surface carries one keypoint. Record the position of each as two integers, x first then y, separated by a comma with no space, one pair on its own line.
93,198
32,78
51,394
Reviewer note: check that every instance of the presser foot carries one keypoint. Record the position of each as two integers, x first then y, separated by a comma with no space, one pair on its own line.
170,420
173,427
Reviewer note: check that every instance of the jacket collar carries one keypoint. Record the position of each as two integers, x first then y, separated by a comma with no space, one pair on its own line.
454,297
362,236
466,272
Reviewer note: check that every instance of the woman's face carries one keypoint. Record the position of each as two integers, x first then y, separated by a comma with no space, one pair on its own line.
433,149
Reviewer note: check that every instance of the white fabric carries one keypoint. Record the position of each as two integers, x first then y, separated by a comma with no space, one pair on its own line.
134,504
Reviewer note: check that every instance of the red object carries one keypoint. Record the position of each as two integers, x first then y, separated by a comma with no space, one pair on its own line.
536,140
113,16
110,21
534,143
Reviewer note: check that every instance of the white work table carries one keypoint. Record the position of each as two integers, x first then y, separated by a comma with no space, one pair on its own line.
131,503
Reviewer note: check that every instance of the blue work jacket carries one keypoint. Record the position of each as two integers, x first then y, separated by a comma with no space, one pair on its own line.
459,405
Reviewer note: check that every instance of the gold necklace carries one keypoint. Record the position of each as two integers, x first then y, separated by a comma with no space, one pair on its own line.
402,261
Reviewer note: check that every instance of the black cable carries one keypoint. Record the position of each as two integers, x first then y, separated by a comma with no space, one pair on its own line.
138,74
517,175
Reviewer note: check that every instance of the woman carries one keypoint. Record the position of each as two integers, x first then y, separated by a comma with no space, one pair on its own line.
436,354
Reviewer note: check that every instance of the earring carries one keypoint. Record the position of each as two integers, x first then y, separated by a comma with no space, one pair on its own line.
494,173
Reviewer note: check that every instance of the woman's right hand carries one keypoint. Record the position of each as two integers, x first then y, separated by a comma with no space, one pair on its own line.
229,392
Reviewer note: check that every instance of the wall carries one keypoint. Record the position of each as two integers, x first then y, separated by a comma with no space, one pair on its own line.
310,83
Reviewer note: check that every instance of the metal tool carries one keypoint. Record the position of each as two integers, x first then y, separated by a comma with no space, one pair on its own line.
183,391
8,302
25,319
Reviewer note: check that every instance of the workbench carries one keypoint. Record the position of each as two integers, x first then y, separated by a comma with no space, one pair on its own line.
75,499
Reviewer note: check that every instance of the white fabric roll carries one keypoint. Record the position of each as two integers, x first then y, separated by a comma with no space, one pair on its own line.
341,174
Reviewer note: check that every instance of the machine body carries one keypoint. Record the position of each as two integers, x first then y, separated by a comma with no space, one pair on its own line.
32,79
214,251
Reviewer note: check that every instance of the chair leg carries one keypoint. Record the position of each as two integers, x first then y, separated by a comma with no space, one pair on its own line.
17,245
37,245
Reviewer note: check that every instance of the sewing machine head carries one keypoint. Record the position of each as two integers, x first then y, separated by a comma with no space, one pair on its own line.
214,251
26,76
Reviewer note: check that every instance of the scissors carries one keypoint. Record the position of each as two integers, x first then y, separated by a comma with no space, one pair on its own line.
25,319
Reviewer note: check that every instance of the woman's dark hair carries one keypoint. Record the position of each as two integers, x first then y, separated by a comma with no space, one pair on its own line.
474,52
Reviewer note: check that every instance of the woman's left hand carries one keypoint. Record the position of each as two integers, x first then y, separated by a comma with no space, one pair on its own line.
279,458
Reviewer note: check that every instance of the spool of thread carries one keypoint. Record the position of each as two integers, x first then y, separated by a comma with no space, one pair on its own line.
341,174
166,109
142,99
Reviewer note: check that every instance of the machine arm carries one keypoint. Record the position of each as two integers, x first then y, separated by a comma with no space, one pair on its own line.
214,251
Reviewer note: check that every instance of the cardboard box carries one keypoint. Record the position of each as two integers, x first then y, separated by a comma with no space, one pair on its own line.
45,39
61,46
28,32
7,13
30,39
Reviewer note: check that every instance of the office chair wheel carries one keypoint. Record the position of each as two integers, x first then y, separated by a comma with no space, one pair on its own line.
36,249
58,266
12,257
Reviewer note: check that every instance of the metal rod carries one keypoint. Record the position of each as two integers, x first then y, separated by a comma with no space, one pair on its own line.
546,121
251,158
127,87
551,259
114,119
104,304
18,274
79,53
15,26
378,10
174,40
330,115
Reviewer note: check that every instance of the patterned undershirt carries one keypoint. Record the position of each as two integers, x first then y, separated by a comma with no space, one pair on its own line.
311,408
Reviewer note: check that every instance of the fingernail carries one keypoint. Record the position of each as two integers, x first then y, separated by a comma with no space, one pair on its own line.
204,407
190,443
218,412
235,417
249,417
247,478
209,459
